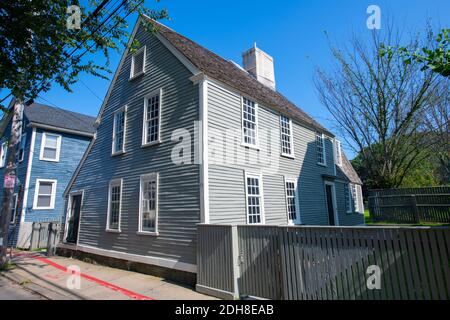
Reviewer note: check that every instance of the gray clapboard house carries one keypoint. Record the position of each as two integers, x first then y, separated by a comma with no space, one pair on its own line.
185,137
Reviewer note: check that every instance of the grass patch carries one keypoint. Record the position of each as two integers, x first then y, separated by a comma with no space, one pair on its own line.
369,221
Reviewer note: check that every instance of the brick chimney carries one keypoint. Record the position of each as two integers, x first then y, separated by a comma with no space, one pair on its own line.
260,65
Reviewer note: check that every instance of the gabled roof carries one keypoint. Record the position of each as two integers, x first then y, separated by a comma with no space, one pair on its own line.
228,73
347,172
59,118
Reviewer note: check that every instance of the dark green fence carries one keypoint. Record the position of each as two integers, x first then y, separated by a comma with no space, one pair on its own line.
410,205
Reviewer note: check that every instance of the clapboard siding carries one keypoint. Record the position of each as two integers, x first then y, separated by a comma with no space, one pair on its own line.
346,219
226,180
178,184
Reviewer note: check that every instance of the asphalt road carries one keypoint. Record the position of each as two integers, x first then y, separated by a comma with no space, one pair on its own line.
11,291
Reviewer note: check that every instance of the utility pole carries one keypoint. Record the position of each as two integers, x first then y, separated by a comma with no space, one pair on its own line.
10,179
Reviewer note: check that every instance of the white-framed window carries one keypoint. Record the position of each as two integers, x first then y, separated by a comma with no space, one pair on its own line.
3,152
114,205
44,195
50,147
14,209
148,204
320,146
348,198
249,122
119,131
253,193
357,197
287,137
138,63
292,205
152,119
338,152
23,141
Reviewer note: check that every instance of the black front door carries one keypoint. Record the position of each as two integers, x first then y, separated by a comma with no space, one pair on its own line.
74,219
330,205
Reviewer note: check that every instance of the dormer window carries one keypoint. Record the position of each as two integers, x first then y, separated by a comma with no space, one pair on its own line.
138,63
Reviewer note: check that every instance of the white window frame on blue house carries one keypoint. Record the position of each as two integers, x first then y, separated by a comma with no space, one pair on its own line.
23,141
43,146
14,209
134,75
288,138
243,121
321,149
123,110
297,219
145,125
3,152
259,177
114,183
348,197
52,195
154,176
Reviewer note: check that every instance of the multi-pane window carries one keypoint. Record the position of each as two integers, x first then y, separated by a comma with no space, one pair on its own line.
348,198
138,63
148,215
152,118
3,151
254,205
119,131
114,205
357,197
23,141
320,146
286,136
338,152
50,147
249,122
14,209
45,194
291,200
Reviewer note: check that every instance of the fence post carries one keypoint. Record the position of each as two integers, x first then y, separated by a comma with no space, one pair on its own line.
52,231
235,260
415,208
35,235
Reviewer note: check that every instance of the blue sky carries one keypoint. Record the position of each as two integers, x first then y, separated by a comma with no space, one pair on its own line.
291,31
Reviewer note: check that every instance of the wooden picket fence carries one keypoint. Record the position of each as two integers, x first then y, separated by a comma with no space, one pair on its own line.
410,205
324,263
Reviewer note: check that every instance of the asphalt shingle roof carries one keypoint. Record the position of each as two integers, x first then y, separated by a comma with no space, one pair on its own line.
227,72
43,114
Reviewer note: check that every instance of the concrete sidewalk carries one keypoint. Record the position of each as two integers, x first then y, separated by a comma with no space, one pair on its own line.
52,279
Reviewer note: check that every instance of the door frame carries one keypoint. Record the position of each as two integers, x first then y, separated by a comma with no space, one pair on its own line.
333,197
68,214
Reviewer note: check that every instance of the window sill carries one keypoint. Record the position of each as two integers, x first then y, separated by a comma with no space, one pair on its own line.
41,208
147,233
322,164
250,146
113,231
289,156
136,76
49,160
149,144
118,153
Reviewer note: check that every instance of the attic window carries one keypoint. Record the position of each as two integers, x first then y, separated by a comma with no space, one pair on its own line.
138,63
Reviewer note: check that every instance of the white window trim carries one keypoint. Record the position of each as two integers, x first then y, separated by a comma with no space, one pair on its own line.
158,92
112,183
132,75
359,196
349,202
123,109
243,143
16,195
291,130
297,204
20,146
148,176
52,198
3,153
324,164
261,196
58,146
337,156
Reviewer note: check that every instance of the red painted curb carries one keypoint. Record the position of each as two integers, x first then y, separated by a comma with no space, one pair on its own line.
108,285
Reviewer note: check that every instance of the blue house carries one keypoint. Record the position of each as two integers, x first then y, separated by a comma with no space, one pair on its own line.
52,143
